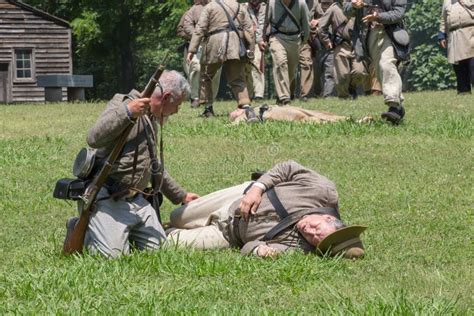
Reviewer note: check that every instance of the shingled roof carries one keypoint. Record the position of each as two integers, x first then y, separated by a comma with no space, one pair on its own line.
41,13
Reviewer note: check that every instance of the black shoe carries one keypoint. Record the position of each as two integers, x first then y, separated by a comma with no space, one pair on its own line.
208,112
284,102
353,93
251,116
394,115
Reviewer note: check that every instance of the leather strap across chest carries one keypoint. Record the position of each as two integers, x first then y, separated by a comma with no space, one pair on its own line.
287,220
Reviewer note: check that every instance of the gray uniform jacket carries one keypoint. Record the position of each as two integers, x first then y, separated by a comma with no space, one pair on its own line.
219,43
297,188
335,19
392,13
103,136
300,11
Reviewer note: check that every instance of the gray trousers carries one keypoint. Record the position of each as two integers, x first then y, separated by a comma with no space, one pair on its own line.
325,72
116,225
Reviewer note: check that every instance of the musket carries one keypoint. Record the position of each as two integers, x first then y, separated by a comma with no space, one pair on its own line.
74,241
264,36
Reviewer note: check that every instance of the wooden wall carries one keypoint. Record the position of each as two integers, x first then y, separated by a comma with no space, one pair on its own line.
51,43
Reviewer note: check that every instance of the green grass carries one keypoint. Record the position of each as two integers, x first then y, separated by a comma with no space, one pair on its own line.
412,185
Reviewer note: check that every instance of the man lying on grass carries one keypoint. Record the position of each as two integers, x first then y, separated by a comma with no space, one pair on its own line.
289,207
290,114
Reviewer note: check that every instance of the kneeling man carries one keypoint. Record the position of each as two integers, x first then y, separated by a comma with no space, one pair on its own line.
289,207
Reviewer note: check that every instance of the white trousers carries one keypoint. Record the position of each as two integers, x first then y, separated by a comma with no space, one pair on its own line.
202,223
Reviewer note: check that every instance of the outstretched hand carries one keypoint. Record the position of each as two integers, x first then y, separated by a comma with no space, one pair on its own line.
190,197
250,202
374,17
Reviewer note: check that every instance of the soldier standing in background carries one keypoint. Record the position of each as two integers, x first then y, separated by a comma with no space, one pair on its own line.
288,27
306,54
324,58
220,48
349,73
192,69
372,38
255,75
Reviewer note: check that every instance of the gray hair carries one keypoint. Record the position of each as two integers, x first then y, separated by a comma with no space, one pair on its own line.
174,82
337,223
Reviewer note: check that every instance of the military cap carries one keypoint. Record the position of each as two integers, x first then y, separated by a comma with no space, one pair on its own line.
345,241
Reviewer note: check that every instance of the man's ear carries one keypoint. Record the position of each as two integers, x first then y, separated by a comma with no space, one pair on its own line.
328,218
166,96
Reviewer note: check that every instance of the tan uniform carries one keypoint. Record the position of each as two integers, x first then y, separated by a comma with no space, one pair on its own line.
294,114
285,43
457,28
349,73
306,54
213,221
458,23
220,48
254,75
193,69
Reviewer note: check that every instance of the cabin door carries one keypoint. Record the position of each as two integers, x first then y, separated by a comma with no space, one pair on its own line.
4,83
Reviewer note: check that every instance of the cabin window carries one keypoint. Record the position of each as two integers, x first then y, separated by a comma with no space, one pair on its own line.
24,64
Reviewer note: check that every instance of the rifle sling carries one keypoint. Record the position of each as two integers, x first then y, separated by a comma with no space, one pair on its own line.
157,171
232,25
283,17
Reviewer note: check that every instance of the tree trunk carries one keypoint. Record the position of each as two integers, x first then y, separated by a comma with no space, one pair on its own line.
125,44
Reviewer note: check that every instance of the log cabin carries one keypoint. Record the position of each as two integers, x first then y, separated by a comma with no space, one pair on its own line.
32,43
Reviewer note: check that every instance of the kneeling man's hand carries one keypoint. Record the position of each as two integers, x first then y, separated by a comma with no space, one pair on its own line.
190,197
250,202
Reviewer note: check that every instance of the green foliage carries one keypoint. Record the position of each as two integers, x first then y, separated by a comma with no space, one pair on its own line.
430,69
423,20
411,184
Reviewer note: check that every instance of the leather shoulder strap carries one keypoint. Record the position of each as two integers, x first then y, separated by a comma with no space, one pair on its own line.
279,208
286,14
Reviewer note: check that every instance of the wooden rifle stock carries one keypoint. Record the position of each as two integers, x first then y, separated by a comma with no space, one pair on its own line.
74,241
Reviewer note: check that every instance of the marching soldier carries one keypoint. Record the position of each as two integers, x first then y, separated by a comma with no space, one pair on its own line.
223,26
373,37
255,75
307,53
193,68
349,73
288,27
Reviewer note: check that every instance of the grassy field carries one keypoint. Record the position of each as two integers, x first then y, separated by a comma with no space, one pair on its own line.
411,184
